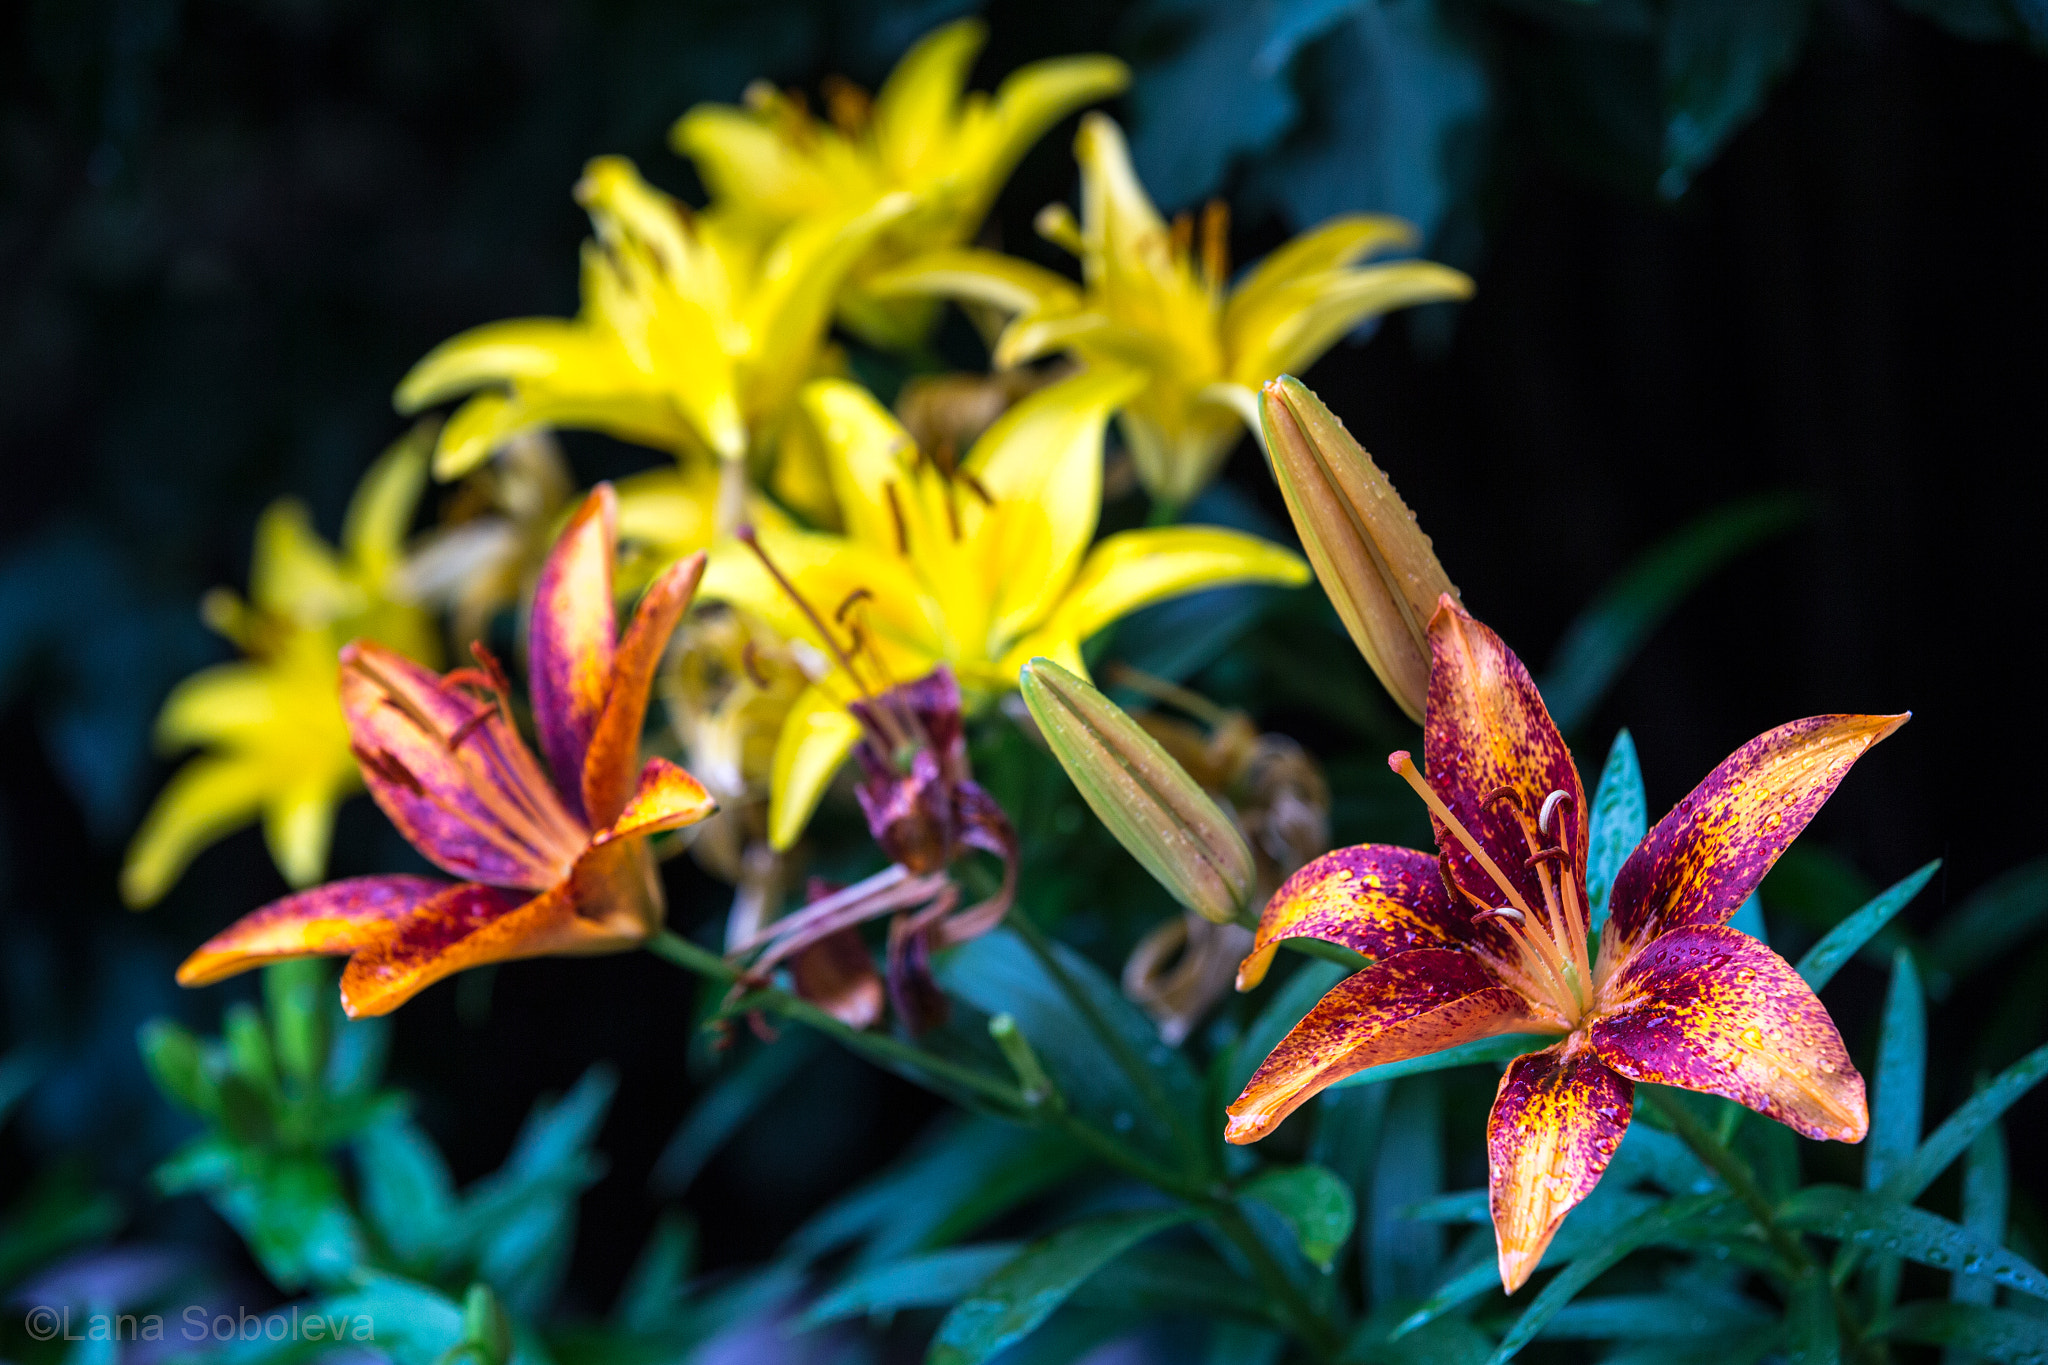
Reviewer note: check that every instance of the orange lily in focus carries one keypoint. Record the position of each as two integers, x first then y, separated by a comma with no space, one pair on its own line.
1489,935
550,867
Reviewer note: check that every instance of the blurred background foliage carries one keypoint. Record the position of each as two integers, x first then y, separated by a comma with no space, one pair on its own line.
1758,317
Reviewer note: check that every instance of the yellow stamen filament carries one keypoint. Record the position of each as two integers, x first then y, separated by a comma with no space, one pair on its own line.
1402,763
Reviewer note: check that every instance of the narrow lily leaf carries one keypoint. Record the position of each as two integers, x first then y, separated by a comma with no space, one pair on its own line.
1810,1327
1619,820
1901,1076
1606,635
937,1279
1313,1202
1504,1048
654,1291
1635,1317
1026,1290
1749,919
1649,1227
407,1193
1985,1183
1989,922
1459,1206
176,1062
1404,1257
1648,1153
1153,1280
1962,1128
2000,1334
1843,941
1875,1223
736,1097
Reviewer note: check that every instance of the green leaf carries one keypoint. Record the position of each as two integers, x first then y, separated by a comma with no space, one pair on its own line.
1156,1280
1504,1048
1026,1290
998,974
1606,635
1811,1332
1843,941
1901,1076
1636,1317
297,994
291,1211
1962,1128
406,1191
1749,919
1985,1185
1989,923
654,1291
60,1209
177,1063
935,1279
1402,1257
413,1323
1995,1333
1619,820
249,1051
726,1107
1875,1223
1210,102
1313,1202
1719,59
355,1060
1652,1226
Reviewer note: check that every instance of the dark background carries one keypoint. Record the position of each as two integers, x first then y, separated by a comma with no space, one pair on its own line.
227,228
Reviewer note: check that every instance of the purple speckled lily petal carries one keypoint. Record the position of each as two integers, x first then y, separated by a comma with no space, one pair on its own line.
571,638
1375,899
1557,1118
339,917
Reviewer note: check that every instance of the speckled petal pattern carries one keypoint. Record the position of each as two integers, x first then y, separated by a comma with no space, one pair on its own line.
1557,1118
1375,899
339,917
1711,1009
571,639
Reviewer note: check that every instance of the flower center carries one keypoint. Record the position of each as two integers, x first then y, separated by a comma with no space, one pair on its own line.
1550,942
517,808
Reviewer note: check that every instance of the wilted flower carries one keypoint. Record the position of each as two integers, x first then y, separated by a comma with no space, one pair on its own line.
1373,560
551,866
1181,969
695,334
1155,809
1160,298
978,565
269,724
493,535
1489,935
774,164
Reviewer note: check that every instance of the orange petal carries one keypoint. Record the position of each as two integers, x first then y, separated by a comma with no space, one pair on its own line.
571,637
1711,1009
615,743
1557,1118
1703,859
1375,899
429,790
667,797
466,926
1485,728
339,917
1417,1002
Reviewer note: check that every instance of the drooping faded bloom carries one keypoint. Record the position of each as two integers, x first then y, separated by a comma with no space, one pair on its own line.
550,866
273,741
1159,297
978,565
696,331
773,164
1489,935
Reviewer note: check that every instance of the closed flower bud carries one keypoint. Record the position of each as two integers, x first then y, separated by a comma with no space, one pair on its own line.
1148,801
1373,560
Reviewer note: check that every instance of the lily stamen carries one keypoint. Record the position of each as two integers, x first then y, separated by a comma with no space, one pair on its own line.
1404,765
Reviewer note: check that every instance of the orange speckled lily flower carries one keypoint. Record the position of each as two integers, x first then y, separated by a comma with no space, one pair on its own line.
550,867
1489,935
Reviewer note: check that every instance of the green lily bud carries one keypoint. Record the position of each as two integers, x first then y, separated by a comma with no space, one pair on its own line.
1148,801
1373,560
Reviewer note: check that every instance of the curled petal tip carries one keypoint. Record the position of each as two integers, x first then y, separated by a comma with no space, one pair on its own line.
1253,969
1248,1128
1517,1265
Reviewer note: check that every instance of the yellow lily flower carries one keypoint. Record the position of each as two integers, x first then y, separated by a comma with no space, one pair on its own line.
1156,298
270,724
775,164
696,332
979,565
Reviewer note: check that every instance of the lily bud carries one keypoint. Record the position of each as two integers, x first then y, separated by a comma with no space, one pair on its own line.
1148,801
1373,560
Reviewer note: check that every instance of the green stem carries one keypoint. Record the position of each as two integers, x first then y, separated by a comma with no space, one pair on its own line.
1315,1331
1141,1076
878,1047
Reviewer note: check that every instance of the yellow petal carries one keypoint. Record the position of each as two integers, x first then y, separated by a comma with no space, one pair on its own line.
816,738
914,111
1297,323
1033,98
293,573
298,826
205,800
495,353
989,277
867,452
745,160
1042,463
221,702
1325,247
1135,568
379,515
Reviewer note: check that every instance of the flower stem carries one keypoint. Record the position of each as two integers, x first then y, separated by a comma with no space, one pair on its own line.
1315,1331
